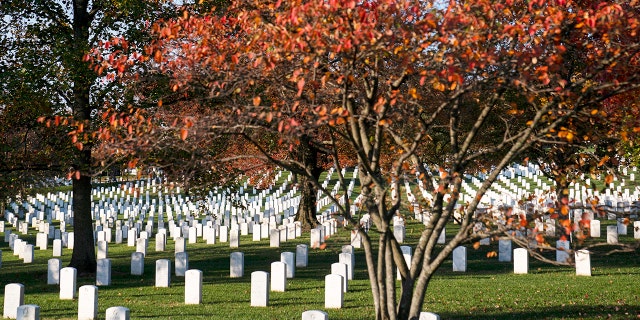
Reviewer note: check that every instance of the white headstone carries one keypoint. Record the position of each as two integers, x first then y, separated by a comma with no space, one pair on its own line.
180,245
103,250
341,269
460,259
333,294
236,265
612,234
278,276
117,313
103,272
562,248
350,260
53,271
42,241
27,254
234,238
583,263
316,238
594,228
161,240
141,245
193,235
428,316
315,315
260,289
504,250
224,234
302,255
256,232
68,283
132,236
622,228
193,287
137,263
182,263
163,273
274,238
88,302
399,233
13,298
28,312
636,230
520,261
290,259
57,248
70,240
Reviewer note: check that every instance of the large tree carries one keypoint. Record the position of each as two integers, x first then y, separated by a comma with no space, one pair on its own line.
402,87
45,44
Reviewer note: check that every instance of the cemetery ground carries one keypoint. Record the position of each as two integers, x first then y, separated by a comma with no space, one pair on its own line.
488,290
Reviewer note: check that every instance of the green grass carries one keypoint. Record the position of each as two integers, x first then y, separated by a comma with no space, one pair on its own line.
489,290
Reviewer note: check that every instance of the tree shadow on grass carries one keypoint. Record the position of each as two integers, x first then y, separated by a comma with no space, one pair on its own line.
557,312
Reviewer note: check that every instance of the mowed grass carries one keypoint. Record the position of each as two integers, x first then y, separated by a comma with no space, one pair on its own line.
489,290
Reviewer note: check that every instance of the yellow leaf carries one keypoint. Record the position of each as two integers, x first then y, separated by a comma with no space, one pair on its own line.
412,93
569,136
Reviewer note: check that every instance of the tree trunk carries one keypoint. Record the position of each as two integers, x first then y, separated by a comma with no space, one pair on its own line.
84,255
308,156
307,209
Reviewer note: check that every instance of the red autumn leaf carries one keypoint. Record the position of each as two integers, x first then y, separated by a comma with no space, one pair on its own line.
300,86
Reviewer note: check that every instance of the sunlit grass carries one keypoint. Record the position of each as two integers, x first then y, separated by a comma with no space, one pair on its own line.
489,290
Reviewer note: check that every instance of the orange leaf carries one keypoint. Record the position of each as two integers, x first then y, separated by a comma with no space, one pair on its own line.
183,133
476,245
492,254
608,179
256,101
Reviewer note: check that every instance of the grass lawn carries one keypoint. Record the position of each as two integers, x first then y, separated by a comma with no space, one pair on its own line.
489,290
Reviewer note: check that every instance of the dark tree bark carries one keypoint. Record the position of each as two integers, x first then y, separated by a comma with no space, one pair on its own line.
83,257
307,154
